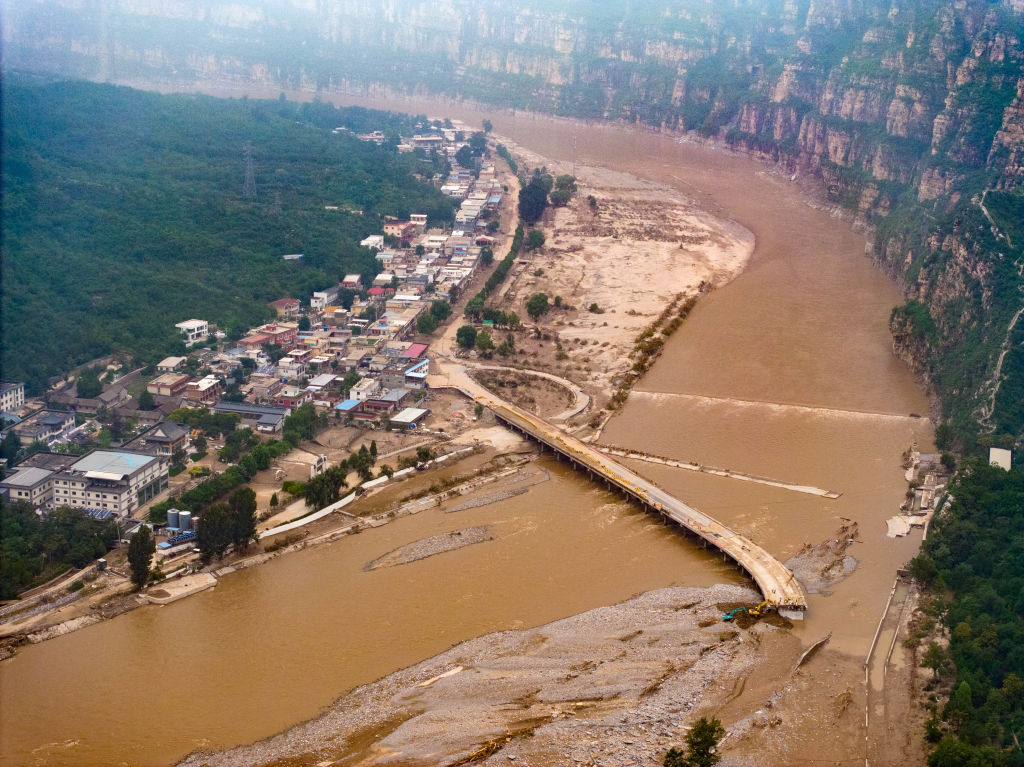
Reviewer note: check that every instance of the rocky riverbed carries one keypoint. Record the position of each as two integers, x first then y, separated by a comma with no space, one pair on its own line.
428,547
614,685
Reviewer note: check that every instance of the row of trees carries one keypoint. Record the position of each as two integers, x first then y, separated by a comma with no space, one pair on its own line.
475,305
227,524
253,454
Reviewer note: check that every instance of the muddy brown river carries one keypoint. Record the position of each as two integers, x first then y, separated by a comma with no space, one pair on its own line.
785,372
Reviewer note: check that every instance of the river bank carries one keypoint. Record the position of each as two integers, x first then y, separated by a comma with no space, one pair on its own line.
615,685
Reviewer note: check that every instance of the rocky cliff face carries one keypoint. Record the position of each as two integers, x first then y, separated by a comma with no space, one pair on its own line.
909,110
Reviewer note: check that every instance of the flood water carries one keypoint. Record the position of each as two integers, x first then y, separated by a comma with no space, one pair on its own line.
274,644
786,372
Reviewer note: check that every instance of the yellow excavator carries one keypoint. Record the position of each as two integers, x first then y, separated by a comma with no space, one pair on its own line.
756,612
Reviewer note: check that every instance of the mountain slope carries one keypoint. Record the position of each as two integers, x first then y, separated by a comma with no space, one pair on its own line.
123,213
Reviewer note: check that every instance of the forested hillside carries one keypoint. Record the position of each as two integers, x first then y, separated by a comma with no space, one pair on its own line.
124,212
976,551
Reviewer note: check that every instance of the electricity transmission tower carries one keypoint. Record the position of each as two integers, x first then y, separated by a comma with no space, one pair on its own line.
249,190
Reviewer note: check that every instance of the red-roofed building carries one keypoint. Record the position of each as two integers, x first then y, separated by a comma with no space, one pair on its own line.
287,307
254,341
378,291
414,352
282,335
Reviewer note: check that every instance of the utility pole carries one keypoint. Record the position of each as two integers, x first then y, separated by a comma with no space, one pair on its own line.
574,155
249,190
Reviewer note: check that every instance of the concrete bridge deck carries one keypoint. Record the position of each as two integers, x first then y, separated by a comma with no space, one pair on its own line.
778,585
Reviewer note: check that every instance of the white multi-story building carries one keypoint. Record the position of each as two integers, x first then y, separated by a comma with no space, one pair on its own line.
12,396
364,389
194,330
118,480
323,298
31,484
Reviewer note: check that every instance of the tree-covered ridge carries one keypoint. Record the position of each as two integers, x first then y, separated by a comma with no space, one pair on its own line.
123,213
976,550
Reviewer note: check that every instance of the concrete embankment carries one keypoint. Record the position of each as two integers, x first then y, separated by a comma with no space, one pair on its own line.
181,588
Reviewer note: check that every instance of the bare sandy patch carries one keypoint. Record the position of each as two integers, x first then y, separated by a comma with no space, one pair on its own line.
615,265
497,436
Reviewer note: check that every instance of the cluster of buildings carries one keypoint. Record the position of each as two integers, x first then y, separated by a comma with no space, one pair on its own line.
358,358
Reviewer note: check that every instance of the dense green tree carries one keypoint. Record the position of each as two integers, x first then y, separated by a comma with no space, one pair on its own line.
325,488
560,197
464,156
213,424
351,379
975,552
88,385
215,532
486,256
934,658
34,549
535,239
426,323
537,305
140,556
304,323
952,752
478,143
243,509
10,446
566,182
484,342
466,336
441,310
701,744
533,199
146,401
474,307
